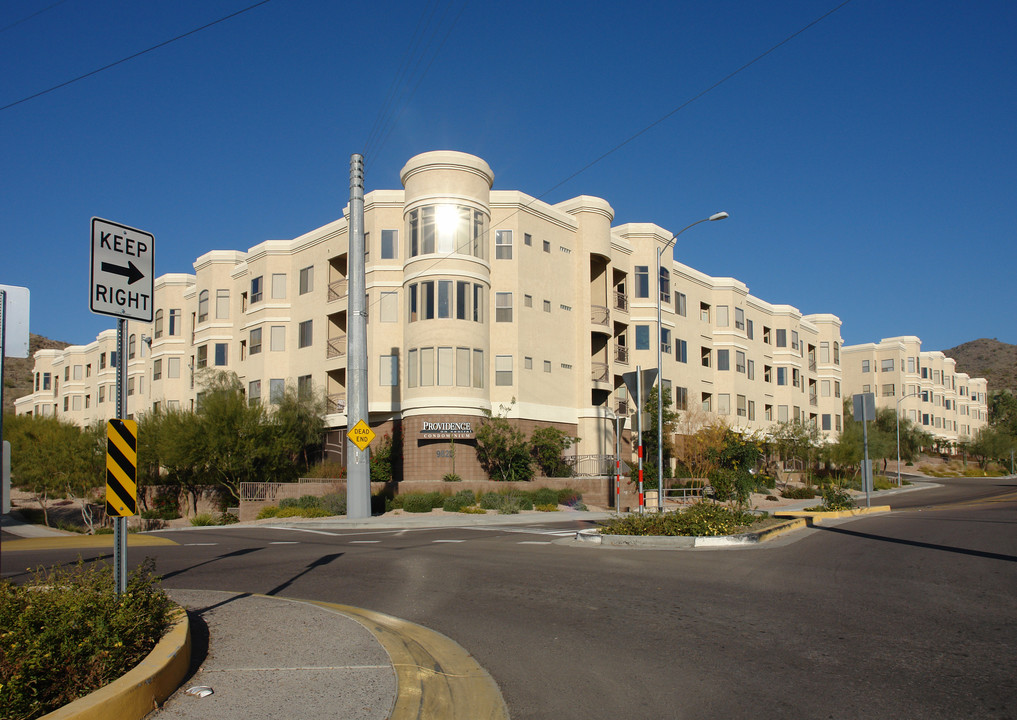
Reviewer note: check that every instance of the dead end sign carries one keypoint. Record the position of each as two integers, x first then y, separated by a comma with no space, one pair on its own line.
123,262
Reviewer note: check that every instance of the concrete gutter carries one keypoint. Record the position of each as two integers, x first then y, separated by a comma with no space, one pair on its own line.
141,690
437,677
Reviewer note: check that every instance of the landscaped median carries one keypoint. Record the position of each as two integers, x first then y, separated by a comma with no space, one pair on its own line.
816,516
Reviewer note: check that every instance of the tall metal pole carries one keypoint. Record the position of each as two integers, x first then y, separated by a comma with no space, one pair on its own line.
898,442
358,462
617,463
660,393
866,468
639,414
120,522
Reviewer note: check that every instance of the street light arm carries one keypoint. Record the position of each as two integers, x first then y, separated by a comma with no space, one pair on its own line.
716,216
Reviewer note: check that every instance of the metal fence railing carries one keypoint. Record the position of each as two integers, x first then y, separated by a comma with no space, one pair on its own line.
258,491
590,465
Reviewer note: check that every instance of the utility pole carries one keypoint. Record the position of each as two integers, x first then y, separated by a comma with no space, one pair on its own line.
358,462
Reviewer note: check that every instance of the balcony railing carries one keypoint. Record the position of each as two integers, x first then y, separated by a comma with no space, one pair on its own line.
337,403
622,407
621,354
591,465
337,290
812,366
599,372
813,400
336,347
600,315
621,301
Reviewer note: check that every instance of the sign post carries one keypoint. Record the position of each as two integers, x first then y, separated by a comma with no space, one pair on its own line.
864,408
122,265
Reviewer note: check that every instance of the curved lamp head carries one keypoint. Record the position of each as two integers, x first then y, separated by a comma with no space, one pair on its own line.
718,216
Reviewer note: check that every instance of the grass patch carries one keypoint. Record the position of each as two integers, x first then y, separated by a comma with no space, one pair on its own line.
67,633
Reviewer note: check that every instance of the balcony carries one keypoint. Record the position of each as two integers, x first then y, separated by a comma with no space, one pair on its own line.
600,315
621,301
336,347
338,290
621,354
813,400
599,372
622,408
336,403
812,365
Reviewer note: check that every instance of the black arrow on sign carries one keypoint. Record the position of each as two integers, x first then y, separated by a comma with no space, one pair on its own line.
131,273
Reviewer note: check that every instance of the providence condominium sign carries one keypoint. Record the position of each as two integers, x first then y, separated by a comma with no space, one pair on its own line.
445,430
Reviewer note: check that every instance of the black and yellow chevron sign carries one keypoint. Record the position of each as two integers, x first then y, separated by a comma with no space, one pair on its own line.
121,468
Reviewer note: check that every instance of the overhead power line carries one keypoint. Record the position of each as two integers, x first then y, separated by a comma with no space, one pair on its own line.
135,55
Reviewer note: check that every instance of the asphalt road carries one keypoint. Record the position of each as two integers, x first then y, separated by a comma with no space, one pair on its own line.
907,615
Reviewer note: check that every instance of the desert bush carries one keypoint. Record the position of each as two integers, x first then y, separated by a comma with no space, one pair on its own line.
700,519
798,493
451,477
203,519
328,470
67,633
308,501
462,499
335,503
269,511
511,505
545,496
417,502
549,507
491,501
288,503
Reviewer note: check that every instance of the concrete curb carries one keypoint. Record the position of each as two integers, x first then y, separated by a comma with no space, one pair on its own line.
83,541
817,516
135,694
436,677
593,537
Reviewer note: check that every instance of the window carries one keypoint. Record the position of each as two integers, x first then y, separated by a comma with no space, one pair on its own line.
427,299
527,239
723,318
836,388
681,351
173,367
826,422
723,404
102,393
174,322
411,303
478,368
794,340
221,353
796,378
462,367
304,387
426,367
254,392
886,365
824,352
707,402
222,304
305,334
132,347
412,368
752,409
278,286
256,294
158,327
503,307
782,376
157,370
547,366
389,244
911,364
741,406
276,390
277,338
388,370
782,413
766,335
681,398
888,390
462,300
130,386
547,246
739,361
781,337
503,244
739,318
836,354
527,301
389,309
706,357
307,279
680,302
503,370
547,306
255,343
824,388
478,306
203,306
768,413
865,366
642,337
748,329
750,369
202,356
665,340
704,312
665,285
444,299
456,229
642,281
445,366
723,359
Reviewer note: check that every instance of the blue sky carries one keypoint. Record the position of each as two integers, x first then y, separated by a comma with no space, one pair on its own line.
869,164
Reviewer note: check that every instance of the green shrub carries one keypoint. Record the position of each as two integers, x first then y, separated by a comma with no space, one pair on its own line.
313,512
288,503
328,470
545,496
570,497
835,498
269,511
104,531
66,633
511,505
730,484
291,511
308,501
473,510
165,506
335,503
700,519
203,519
462,499
417,502
881,482
491,501
546,508
228,518
798,493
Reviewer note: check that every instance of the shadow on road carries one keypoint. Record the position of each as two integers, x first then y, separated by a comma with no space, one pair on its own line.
917,543
320,562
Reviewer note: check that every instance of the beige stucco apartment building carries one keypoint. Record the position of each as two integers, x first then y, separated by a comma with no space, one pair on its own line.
478,301
924,387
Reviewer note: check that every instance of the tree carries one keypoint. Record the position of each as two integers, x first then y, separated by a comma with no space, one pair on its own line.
670,417
1003,411
299,421
794,439
502,449
548,447
699,441
991,444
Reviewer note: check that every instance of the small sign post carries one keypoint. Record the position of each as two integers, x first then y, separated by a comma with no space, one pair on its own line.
864,409
121,468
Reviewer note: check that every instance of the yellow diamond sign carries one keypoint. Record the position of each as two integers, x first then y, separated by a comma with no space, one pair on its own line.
361,435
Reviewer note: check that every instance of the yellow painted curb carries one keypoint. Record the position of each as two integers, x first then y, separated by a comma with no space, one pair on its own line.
820,515
436,677
83,541
141,690
771,532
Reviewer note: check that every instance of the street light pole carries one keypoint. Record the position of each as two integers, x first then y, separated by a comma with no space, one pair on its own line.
660,374
914,394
